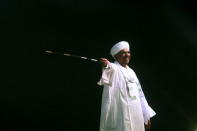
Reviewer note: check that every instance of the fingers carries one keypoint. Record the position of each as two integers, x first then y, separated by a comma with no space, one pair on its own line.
148,126
104,61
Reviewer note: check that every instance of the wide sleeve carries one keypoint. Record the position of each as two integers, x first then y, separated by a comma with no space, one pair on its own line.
148,112
107,75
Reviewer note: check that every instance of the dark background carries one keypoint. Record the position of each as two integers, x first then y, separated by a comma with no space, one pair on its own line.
50,92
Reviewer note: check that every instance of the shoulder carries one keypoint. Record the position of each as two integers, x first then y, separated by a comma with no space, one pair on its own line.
113,66
130,68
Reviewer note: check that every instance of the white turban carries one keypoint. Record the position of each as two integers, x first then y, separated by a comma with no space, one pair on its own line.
118,47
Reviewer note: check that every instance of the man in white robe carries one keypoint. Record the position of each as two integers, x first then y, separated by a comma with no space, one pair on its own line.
124,106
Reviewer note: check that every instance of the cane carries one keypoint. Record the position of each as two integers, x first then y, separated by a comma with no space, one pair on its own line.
70,55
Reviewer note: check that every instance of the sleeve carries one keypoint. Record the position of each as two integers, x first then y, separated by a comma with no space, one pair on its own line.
107,75
148,112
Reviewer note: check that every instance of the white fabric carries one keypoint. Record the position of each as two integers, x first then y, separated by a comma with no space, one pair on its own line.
118,47
124,107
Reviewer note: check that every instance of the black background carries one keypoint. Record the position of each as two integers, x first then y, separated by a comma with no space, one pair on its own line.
51,92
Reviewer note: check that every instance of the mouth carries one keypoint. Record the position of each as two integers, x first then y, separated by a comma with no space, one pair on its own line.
127,59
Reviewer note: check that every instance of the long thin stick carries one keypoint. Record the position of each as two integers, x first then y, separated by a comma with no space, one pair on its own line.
75,56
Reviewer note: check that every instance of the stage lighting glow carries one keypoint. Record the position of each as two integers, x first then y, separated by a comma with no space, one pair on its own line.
195,129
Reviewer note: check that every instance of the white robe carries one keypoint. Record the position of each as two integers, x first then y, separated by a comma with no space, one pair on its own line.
124,106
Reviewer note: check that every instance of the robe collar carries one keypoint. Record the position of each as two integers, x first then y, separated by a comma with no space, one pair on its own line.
116,62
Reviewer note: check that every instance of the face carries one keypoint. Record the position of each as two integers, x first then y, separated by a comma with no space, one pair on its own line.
123,57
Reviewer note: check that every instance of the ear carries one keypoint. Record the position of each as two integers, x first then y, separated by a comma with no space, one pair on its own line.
115,57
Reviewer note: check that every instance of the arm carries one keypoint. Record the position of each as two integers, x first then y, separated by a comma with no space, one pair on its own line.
148,112
107,75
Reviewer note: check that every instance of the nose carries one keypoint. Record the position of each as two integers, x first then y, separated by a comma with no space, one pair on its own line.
127,54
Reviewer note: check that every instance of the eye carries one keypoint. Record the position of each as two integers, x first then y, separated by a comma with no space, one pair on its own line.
128,52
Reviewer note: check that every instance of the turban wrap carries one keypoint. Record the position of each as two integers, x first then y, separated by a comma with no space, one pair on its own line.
118,47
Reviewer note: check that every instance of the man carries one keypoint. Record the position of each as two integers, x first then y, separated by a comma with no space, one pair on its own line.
124,106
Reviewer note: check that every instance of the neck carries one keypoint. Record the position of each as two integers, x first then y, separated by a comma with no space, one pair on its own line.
123,65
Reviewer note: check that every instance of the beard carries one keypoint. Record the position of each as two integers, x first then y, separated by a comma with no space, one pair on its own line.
123,60
126,60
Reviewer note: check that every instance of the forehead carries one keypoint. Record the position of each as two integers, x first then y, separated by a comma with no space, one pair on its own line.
124,50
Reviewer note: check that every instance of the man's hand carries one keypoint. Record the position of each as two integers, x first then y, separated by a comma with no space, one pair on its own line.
148,126
104,62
